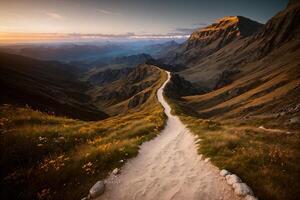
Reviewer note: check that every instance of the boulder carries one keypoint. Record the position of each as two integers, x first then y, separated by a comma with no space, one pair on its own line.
224,172
97,189
242,189
232,179
115,171
250,197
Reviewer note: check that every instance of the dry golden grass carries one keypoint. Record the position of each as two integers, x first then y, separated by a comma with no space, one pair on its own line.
49,157
266,159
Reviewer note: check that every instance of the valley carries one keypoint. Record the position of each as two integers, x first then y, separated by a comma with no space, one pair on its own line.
210,113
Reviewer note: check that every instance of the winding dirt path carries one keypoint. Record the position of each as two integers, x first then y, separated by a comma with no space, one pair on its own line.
168,167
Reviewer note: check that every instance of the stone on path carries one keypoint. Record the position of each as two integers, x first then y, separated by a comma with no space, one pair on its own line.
97,189
224,172
242,189
232,179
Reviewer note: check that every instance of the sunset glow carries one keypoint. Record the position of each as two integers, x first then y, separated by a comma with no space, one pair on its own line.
41,20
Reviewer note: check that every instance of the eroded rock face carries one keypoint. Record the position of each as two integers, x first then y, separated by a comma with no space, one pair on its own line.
97,189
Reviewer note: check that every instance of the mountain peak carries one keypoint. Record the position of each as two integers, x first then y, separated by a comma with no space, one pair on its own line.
234,23
224,30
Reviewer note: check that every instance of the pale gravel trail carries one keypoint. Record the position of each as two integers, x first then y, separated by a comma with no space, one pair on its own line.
168,167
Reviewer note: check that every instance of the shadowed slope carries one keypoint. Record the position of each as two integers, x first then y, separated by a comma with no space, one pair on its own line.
47,86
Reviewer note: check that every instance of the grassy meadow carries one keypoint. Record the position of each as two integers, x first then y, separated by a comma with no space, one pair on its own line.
266,159
49,157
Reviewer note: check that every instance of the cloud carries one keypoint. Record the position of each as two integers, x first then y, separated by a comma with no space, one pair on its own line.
54,15
185,30
106,12
99,35
160,36
201,24
8,37
128,35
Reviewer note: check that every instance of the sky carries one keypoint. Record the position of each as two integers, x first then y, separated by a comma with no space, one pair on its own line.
63,19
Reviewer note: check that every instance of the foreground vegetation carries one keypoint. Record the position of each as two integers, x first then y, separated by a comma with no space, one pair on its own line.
266,159
49,157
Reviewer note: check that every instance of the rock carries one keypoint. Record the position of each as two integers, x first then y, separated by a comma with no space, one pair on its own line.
115,171
250,197
61,138
232,179
242,189
206,160
224,172
294,120
261,127
121,161
97,189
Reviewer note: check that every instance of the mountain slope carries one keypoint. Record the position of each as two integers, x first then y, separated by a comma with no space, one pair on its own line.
47,86
255,75
114,69
129,92
210,39
237,58
249,120
48,157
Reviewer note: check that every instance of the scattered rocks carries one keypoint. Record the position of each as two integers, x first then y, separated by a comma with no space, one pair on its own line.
250,197
242,189
116,171
232,179
97,189
224,172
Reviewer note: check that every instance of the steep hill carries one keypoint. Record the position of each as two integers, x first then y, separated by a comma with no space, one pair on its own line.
129,92
48,86
210,39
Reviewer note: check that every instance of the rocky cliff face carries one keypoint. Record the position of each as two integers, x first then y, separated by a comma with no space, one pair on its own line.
222,32
210,39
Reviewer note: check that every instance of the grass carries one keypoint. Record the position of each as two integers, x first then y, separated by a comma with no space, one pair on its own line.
266,160
49,157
